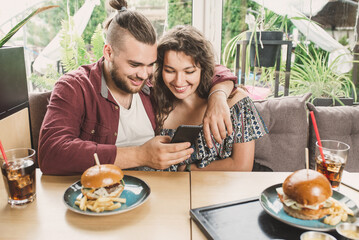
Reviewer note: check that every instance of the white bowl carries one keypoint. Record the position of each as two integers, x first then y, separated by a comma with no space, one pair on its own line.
312,235
348,230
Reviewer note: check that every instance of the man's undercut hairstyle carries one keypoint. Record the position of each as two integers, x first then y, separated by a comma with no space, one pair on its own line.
128,22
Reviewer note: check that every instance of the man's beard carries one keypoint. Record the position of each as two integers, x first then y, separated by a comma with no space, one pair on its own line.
124,84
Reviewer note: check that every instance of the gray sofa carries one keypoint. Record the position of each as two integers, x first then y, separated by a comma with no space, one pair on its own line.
290,130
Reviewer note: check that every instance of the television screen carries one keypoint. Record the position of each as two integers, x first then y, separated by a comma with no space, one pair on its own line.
13,82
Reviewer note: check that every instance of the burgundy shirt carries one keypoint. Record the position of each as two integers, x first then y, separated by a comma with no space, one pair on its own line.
82,119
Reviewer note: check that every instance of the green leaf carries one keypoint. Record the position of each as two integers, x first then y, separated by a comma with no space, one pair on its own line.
22,23
97,42
74,53
311,73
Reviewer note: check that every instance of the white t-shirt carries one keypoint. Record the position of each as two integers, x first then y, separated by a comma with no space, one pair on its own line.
134,127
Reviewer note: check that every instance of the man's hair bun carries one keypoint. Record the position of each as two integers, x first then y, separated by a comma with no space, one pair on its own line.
118,4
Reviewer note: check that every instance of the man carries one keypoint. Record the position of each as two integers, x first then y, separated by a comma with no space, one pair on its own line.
105,107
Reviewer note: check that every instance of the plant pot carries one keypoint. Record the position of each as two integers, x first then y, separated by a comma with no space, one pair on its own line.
267,55
328,102
13,82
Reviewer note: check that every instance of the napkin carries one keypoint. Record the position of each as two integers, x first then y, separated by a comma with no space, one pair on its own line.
349,180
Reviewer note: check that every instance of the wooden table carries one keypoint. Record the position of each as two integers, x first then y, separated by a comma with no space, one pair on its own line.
208,188
165,215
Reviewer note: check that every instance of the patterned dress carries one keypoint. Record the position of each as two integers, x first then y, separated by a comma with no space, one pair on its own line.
248,125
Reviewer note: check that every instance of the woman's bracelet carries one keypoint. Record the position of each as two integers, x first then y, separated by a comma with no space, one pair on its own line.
218,90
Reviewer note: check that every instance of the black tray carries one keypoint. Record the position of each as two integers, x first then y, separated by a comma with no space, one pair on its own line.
243,219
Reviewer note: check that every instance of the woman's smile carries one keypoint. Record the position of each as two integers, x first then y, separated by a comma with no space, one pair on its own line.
180,74
181,89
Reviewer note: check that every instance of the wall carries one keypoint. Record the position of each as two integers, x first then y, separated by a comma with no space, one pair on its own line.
15,130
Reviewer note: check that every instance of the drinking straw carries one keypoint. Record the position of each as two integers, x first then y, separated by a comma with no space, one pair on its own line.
3,153
96,159
317,135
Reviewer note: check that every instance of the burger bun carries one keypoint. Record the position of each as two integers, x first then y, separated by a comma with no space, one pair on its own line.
102,181
307,187
310,189
101,176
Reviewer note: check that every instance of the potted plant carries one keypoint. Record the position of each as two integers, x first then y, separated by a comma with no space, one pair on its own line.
13,91
264,55
267,26
255,58
311,73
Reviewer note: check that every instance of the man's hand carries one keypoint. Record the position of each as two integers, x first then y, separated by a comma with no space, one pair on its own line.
158,153
217,118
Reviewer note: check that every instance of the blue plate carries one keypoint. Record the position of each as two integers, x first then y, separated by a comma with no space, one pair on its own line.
136,193
273,206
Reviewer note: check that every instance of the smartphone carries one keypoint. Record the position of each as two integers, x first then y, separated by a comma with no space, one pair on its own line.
186,133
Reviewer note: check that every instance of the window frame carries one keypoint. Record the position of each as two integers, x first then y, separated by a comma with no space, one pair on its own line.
207,17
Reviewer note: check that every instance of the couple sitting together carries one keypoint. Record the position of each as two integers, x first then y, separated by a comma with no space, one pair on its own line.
123,110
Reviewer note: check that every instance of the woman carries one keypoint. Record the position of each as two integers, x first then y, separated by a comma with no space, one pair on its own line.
185,66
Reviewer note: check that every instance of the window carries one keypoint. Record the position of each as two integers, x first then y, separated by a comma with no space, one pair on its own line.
164,14
43,32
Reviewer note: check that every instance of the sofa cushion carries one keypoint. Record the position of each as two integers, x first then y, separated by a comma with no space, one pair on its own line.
283,149
336,123
38,105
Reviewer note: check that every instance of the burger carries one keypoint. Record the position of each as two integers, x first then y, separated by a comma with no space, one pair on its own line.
104,181
306,194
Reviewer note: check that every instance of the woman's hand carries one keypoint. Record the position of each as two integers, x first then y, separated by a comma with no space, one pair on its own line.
217,119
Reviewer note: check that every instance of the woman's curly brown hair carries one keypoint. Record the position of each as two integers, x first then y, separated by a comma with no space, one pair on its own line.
191,42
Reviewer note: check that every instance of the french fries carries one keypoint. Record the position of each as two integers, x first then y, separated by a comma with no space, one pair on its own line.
338,212
99,205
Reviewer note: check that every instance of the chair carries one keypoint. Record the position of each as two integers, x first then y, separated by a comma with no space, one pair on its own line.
37,106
